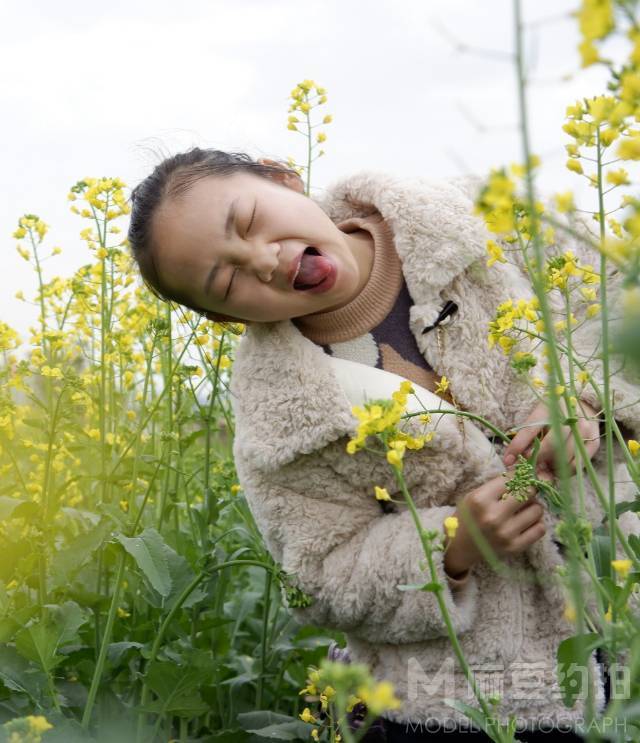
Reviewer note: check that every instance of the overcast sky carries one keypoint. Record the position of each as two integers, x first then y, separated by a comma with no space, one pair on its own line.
91,90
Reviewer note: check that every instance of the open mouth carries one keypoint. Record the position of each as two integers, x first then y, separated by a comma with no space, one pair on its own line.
313,269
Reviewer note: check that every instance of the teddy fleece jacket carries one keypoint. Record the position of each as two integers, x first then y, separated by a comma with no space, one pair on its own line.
314,503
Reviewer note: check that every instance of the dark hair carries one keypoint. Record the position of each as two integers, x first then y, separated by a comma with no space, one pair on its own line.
170,179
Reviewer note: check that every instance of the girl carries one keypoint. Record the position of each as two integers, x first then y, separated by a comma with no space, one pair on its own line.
344,295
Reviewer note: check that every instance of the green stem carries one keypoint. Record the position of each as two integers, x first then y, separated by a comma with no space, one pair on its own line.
453,638
605,366
263,646
106,639
463,414
188,590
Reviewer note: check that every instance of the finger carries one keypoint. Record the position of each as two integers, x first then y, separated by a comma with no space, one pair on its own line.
547,458
496,488
521,441
526,517
529,536
510,504
591,448
546,475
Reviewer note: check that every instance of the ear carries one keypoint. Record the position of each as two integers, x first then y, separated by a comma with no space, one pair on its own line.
287,178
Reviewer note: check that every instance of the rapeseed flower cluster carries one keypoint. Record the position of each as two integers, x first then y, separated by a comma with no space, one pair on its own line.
600,121
26,729
506,214
103,198
340,688
302,103
88,326
497,203
519,321
596,22
381,419
511,321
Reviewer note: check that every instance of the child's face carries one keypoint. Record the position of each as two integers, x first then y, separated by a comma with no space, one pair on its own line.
256,265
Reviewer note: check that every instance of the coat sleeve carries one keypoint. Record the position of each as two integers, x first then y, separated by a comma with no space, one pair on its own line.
356,585
351,560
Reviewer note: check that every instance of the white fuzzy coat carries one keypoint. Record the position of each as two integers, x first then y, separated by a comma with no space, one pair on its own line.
314,503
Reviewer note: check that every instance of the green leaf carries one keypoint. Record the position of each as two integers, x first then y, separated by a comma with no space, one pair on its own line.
59,625
66,563
471,712
177,688
20,676
601,544
147,549
117,650
272,725
572,669
634,543
431,586
628,505
7,506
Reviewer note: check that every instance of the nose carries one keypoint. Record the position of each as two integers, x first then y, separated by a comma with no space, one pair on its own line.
264,260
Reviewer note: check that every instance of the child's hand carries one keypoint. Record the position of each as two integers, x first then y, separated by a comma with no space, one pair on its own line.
509,526
539,419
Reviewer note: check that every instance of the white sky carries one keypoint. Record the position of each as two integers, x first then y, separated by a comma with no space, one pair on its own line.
88,90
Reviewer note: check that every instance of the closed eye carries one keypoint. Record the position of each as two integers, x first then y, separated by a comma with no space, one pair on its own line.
226,294
253,214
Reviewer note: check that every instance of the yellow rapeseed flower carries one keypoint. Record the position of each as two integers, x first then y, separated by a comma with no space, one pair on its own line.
588,53
379,698
618,177
569,613
382,493
564,201
589,293
608,136
306,716
629,149
634,446
442,386
395,458
622,567
574,165
495,253
595,18
451,525
38,724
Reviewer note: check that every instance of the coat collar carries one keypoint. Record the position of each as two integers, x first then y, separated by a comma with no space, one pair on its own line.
435,232
286,397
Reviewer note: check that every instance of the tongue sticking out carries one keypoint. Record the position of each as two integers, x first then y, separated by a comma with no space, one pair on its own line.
314,268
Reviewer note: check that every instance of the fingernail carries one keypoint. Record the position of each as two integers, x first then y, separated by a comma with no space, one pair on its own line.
509,459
